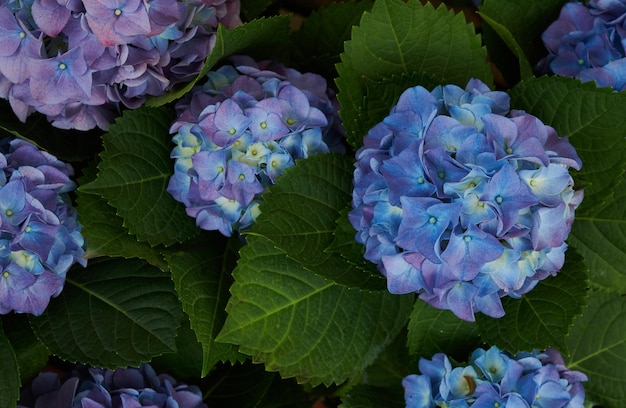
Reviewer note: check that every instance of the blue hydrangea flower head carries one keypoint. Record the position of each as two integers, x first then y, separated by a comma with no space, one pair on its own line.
463,200
495,378
39,235
239,131
587,42
93,387
80,62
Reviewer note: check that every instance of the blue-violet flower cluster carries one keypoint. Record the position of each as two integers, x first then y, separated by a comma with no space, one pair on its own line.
239,131
494,378
462,200
587,42
40,238
89,387
79,62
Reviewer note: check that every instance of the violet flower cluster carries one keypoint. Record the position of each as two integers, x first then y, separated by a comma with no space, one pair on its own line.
494,378
40,237
587,42
462,200
238,132
79,62
89,387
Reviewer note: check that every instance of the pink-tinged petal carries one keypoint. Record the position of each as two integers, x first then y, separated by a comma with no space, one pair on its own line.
65,78
117,22
50,16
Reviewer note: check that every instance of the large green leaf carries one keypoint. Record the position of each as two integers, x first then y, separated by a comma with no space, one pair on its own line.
543,317
268,34
186,362
597,344
601,238
113,313
303,325
299,216
9,373
30,352
104,230
201,274
134,172
440,331
398,38
520,25
594,121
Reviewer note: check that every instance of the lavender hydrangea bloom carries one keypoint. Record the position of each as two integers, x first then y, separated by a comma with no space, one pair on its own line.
121,388
39,236
239,131
587,42
462,200
496,378
80,62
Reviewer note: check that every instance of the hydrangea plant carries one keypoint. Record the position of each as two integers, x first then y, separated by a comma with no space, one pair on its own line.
80,62
239,131
93,387
587,42
462,200
40,238
495,378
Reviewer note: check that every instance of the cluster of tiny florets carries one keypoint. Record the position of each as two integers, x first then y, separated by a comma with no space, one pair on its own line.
495,378
462,200
40,237
587,42
92,387
80,62
239,131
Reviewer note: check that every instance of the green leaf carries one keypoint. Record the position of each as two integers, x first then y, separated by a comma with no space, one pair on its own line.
543,317
303,325
9,373
30,353
520,25
597,345
201,274
392,364
134,172
251,9
593,120
113,313
299,216
262,34
600,236
398,38
319,41
434,330
185,364
367,396
104,230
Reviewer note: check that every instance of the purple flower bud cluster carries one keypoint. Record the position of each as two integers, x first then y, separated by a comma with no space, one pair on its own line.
587,42
89,387
239,131
494,378
40,238
79,62
462,200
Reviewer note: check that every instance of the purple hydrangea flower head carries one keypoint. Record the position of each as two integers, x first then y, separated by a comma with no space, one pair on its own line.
587,42
98,388
496,378
80,62
239,131
462,200
39,235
